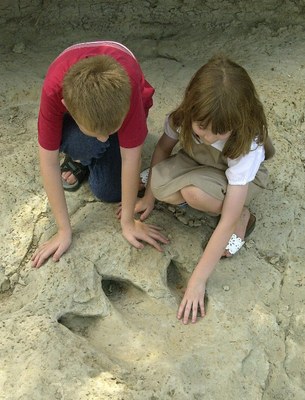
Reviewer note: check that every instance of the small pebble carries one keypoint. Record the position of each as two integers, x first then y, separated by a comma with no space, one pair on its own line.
274,260
182,219
14,278
19,48
197,223
249,244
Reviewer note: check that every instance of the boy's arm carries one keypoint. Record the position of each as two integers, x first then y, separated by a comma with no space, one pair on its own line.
194,294
135,231
57,245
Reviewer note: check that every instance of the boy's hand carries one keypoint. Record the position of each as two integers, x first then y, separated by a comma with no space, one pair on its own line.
137,231
192,302
57,246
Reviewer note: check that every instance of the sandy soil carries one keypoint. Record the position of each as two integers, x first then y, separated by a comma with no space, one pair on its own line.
100,324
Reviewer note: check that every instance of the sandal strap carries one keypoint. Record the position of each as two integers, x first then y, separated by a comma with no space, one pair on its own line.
77,169
144,176
235,244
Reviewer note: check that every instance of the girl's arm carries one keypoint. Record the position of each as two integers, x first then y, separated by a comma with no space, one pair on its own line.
269,149
51,176
231,211
162,151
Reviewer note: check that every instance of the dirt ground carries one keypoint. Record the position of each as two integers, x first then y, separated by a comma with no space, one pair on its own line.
100,324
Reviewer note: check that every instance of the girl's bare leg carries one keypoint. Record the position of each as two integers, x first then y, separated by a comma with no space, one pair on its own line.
202,201
174,199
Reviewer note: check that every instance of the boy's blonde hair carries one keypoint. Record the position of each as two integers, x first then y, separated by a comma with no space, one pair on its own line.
97,91
222,93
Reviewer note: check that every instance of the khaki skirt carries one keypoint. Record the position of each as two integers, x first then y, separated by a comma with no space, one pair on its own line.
180,170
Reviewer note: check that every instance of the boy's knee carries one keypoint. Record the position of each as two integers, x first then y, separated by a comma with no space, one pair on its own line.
105,194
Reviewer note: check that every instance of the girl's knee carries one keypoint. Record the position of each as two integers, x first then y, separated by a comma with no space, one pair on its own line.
190,194
198,199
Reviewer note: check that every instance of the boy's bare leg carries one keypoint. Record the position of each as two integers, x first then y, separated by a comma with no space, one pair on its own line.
68,176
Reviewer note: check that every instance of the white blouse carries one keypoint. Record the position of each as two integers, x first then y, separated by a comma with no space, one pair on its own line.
241,170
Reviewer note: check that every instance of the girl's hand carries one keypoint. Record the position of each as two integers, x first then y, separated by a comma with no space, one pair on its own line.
57,246
143,205
193,301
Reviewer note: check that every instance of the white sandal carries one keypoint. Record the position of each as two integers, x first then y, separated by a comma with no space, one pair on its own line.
235,244
144,176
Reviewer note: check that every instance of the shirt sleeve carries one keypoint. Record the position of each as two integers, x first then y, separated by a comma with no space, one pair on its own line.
243,169
50,120
169,130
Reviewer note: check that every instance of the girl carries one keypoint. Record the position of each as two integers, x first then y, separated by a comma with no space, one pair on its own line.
222,129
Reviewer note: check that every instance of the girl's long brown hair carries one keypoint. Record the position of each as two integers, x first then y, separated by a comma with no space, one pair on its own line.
222,93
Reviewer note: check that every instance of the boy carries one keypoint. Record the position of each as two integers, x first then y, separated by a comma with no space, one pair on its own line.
94,105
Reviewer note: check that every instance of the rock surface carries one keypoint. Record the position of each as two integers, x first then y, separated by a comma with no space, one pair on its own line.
100,323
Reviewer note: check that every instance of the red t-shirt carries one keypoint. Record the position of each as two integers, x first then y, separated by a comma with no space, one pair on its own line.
134,128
